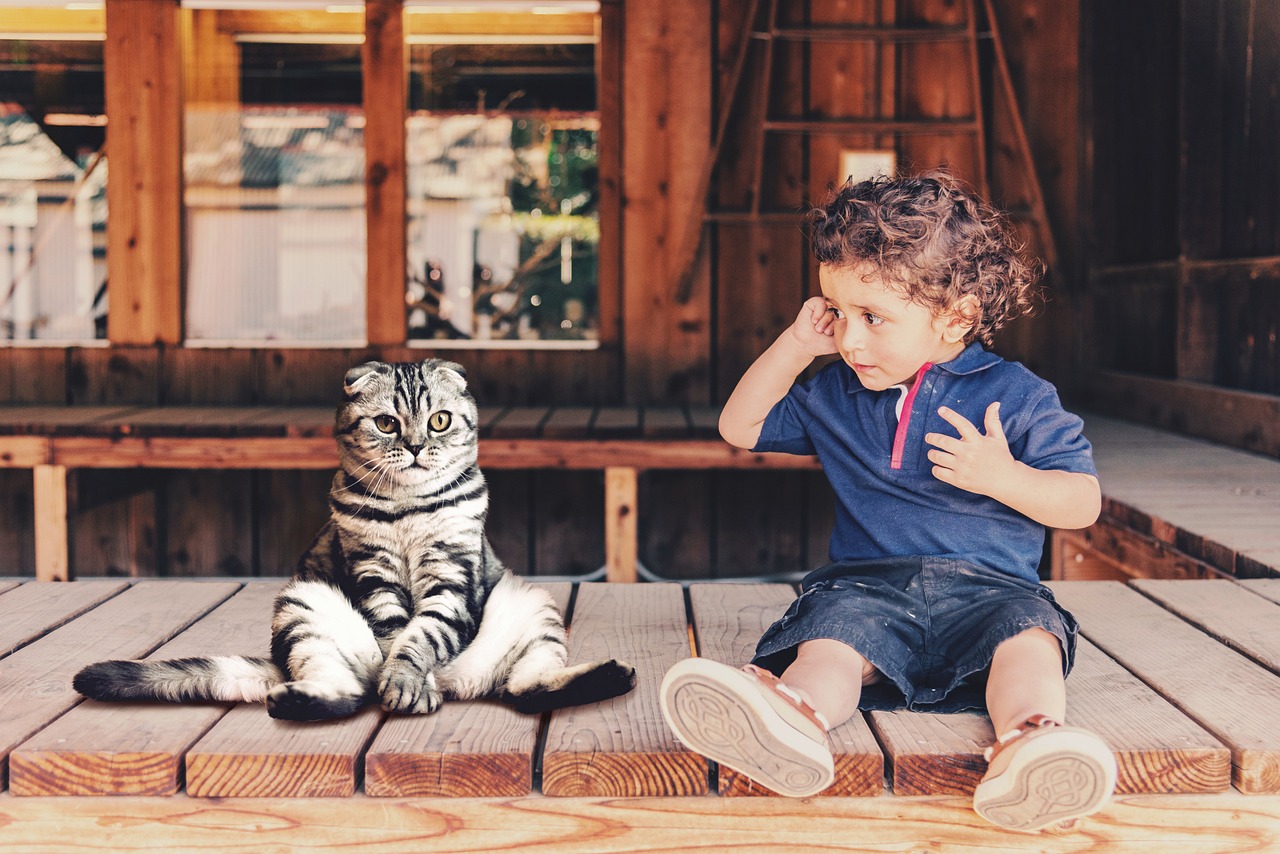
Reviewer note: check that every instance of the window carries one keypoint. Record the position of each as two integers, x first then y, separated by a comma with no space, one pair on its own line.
503,185
53,176
274,176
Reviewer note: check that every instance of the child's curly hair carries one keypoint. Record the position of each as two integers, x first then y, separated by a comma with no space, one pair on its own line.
934,238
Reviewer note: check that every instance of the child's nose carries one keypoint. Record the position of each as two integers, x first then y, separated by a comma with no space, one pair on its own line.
851,337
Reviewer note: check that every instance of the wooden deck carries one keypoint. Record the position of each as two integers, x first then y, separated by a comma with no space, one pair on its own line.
1182,678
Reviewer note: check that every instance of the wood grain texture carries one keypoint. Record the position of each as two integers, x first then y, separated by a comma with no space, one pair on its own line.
1231,613
622,747
49,493
477,749
728,620
35,681
1187,824
34,609
1227,694
137,748
143,83
1265,587
249,754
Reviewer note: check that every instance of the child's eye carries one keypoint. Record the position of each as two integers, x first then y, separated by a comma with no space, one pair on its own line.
872,319
837,312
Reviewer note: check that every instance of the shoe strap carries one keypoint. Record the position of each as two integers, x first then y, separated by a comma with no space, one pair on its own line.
1002,741
787,694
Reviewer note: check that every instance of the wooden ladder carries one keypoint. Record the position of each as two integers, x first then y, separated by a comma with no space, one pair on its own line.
762,31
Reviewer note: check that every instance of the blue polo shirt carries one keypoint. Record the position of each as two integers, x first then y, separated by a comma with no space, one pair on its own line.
888,503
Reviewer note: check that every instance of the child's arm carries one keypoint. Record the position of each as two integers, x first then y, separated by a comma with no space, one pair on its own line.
983,464
771,375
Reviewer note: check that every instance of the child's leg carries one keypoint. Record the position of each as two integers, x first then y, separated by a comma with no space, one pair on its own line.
1026,680
1040,772
829,676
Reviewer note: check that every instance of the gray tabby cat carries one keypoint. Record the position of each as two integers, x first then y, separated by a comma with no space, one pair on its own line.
400,598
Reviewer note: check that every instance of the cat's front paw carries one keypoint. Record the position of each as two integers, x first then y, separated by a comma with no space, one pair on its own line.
404,688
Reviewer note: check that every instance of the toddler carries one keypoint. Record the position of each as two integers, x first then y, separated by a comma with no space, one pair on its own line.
947,463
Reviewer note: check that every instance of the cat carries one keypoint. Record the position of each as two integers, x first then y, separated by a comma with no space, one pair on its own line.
400,598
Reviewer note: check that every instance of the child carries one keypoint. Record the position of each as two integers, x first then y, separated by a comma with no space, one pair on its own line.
932,600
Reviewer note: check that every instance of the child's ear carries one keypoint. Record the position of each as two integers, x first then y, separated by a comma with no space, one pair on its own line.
962,318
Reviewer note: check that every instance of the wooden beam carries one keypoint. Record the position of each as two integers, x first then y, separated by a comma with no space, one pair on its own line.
52,543
1241,419
143,78
621,543
386,88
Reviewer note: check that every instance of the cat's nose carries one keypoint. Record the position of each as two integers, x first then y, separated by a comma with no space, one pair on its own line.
413,449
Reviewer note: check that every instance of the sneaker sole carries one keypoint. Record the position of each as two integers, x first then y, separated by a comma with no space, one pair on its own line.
1040,790
717,716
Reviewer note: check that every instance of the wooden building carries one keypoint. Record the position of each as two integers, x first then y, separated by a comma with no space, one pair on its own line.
1134,143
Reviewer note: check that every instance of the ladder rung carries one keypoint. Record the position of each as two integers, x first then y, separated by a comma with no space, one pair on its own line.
873,125
762,217
865,33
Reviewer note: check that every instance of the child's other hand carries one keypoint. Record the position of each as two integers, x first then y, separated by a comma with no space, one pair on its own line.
973,462
814,328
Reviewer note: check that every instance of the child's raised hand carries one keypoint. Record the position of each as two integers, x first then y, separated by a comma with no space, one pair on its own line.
814,328
973,462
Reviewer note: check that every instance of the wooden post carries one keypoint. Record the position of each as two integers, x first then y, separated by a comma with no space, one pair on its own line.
620,539
52,540
385,100
143,77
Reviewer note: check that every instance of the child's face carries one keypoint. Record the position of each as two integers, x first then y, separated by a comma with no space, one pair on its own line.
881,334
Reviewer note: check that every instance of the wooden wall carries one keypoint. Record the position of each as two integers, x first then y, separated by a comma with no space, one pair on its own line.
671,338
1181,227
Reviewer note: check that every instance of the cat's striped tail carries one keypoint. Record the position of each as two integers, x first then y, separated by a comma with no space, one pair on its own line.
226,678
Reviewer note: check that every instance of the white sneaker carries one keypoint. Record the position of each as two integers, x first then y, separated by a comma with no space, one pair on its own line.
749,721
1042,773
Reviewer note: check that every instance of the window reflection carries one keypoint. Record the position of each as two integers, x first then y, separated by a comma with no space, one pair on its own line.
503,184
274,183
53,205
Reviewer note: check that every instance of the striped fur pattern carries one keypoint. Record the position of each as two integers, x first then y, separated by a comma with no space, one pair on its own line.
400,599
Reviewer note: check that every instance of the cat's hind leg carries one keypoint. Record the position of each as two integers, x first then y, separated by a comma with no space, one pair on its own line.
328,651
519,655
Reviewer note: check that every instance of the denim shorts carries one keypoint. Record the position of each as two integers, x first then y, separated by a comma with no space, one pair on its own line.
929,625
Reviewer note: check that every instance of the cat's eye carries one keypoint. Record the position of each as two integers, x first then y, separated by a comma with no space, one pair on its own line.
387,424
440,421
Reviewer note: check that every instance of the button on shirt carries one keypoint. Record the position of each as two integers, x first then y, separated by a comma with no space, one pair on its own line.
888,503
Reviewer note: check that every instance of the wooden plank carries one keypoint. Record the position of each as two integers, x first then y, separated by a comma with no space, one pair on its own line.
1187,824
195,453
23,451
250,754
53,559
475,749
46,420
728,620
622,747
646,454
705,421
666,422
616,422
1230,696
143,81
1229,612
519,422
1266,587
488,416
621,511
1108,550
136,748
568,422
384,60
35,609
35,682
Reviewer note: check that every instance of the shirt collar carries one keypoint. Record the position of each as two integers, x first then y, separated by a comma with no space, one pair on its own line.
972,359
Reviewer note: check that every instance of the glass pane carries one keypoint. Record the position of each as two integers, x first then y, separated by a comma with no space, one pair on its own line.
53,181
274,181
503,189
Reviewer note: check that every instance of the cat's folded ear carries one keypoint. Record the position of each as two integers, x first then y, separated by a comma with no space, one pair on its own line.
358,377
451,371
